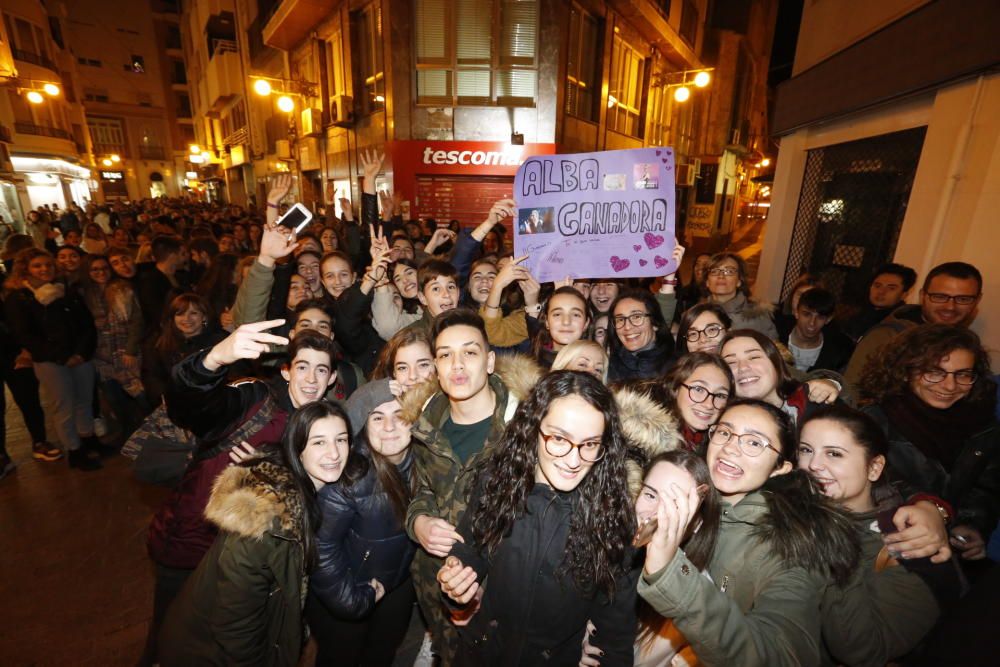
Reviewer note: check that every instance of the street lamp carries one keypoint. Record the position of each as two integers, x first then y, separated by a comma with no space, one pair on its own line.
116,158
286,104
701,79
262,87
35,97
682,94
51,89
106,162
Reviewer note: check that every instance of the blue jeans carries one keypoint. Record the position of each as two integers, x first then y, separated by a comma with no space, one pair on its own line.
71,391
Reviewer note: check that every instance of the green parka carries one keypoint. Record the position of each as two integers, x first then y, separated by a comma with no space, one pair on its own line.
778,549
243,604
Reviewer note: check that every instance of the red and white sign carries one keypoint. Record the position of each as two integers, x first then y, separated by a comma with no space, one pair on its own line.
461,158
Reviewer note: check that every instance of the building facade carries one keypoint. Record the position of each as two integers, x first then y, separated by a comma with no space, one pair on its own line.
42,123
457,92
889,132
133,88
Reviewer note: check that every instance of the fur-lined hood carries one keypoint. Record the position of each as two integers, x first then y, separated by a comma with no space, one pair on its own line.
256,499
519,373
649,430
807,529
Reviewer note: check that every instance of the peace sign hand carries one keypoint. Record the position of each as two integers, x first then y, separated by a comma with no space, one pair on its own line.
247,342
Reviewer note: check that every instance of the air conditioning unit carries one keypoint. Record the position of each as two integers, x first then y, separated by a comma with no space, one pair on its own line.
283,149
310,122
342,110
685,175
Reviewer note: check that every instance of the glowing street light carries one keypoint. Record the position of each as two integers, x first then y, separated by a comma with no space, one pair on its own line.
262,87
682,94
765,162
286,104
51,89
106,162
701,79
35,97
194,149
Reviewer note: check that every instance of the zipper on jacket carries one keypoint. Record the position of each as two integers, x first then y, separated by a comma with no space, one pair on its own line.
725,583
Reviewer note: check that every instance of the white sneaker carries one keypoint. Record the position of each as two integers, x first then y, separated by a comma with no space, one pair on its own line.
100,428
425,658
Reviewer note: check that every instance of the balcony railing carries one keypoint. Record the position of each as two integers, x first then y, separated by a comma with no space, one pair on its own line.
151,152
33,58
41,130
109,149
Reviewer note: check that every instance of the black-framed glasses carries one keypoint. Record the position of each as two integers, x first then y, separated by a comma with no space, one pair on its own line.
723,271
558,446
699,394
750,444
966,377
959,299
635,319
709,332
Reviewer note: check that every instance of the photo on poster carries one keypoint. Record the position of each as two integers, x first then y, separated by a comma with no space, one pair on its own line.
645,176
536,220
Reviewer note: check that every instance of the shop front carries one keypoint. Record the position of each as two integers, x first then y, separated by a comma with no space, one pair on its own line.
113,184
456,180
52,181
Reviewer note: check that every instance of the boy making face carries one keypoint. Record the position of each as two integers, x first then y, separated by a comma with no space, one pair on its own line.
438,283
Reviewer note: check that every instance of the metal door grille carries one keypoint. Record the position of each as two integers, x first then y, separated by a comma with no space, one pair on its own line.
851,210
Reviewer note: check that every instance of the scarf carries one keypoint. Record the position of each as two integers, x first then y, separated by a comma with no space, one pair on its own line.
937,433
48,292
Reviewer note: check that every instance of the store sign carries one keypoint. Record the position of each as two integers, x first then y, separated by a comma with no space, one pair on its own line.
596,215
486,158
112,175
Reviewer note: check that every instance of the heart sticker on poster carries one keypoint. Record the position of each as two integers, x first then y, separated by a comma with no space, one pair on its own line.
619,264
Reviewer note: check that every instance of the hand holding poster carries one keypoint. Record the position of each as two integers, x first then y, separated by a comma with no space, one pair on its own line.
596,215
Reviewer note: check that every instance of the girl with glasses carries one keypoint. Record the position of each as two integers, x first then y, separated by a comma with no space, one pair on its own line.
780,543
727,285
890,602
702,328
550,524
697,390
638,340
932,392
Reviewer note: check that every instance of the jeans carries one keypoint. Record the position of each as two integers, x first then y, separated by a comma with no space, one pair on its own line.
71,391
24,388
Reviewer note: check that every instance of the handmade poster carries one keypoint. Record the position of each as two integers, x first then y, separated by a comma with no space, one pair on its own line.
596,215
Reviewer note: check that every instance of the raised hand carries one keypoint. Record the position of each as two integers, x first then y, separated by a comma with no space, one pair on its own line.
530,288
345,206
673,515
247,342
501,209
275,242
280,186
511,272
371,165
441,236
388,207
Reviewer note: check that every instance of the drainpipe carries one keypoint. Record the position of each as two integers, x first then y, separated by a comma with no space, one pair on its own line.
954,175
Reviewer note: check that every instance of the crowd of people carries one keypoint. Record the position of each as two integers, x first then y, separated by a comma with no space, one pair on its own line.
384,418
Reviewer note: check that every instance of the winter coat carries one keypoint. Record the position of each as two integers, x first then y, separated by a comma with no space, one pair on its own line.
879,615
360,539
51,333
154,291
750,314
156,366
835,353
879,336
220,415
972,486
642,365
532,612
243,604
777,551
444,483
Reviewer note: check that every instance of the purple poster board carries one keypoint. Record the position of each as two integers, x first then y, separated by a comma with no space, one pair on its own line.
596,215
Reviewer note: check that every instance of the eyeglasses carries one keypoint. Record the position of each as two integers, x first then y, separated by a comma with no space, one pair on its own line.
699,394
750,444
558,446
711,331
724,271
959,299
635,319
965,378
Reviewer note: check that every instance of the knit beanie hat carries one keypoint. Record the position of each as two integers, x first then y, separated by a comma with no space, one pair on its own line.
364,400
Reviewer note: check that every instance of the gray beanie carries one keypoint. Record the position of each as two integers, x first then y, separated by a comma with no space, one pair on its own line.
364,400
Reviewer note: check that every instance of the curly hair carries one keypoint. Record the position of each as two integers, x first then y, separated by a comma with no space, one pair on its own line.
889,372
603,518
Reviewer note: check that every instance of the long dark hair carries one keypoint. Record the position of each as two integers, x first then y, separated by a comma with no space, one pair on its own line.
410,305
603,518
868,435
543,340
785,383
170,339
889,372
691,314
293,441
387,477
699,542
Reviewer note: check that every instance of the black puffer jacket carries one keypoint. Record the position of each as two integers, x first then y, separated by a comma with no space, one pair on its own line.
642,365
54,332
360,539
532,613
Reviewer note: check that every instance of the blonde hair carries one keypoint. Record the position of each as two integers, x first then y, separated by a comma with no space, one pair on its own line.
570,352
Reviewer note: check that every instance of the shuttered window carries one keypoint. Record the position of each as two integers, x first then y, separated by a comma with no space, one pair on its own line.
476,52
627,81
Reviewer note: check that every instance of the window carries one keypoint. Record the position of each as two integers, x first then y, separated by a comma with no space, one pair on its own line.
689,22
144,99
173,37
625,88
583,75
476,52
136,65
183,106
107,135
367,25
179,71
56,29
95,95
337,80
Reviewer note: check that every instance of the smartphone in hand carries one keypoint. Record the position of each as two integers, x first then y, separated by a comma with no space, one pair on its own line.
296,218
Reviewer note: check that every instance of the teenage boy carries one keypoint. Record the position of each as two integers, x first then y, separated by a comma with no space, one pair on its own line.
222,416
815,345
159,283
888,290
455,422
950,295
437,285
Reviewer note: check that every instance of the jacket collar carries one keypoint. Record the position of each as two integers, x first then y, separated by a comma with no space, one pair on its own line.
257,499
